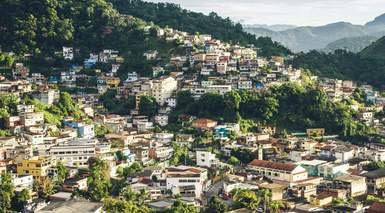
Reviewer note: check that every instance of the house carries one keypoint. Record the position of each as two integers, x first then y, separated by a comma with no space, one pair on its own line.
205,159
186,181
74,153
275,189
355,185
343,153
305,191
375,180
72,184
161,120
36,166
32,119
311,166
72,205
21,182
163,88
332,170
204,123
322,199
68,53
49,96
376,207
281,172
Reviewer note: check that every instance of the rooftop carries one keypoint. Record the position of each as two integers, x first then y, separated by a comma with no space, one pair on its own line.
273,165
375,174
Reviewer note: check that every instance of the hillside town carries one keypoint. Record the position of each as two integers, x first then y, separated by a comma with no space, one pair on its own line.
63,139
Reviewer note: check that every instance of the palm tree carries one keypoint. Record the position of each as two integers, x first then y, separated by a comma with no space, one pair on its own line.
128,194
142,196
275,206
265,194
246,198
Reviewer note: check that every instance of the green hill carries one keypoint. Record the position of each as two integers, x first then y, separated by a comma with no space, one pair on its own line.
375,51
367,66
43,27
172,15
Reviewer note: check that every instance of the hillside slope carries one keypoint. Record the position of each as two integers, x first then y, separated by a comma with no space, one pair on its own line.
42,28
367,66
352,44
375,50
172,15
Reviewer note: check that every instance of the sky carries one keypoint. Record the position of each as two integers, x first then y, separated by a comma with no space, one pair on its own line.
293,12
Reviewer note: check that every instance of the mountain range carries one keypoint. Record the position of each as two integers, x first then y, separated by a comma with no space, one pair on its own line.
340,35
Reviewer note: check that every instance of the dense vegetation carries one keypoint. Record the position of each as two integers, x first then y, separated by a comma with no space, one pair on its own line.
289,106
172,15
43,27
368,66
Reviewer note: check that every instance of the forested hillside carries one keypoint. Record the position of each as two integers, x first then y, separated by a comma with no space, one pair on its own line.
172,15
367,66
43,27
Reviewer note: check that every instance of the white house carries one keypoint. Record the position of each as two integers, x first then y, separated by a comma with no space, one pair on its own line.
186,181
205,159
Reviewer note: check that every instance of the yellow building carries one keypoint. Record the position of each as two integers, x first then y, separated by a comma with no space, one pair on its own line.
36,166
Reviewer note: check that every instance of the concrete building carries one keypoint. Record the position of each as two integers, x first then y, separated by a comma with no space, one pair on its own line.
280,172
205,159
355,185
74,153
186,181
36,166
163,88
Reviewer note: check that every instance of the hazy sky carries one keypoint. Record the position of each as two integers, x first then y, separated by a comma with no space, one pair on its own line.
296,12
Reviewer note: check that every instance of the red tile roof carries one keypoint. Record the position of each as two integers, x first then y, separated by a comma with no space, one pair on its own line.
376,208
273,165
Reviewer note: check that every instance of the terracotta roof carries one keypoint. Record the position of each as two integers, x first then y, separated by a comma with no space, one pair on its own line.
273,165
376,208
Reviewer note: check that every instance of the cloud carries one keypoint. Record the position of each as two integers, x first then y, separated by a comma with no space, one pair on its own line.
297,12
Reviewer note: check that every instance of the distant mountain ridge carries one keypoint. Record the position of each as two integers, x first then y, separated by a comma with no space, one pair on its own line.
308,38
351,44
275,27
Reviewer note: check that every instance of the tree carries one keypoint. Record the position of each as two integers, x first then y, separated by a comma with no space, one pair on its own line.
265,194
181,207
115,205
233,161
62,172
275,206
231,110
6,192
216,205
44,186
183,100
148,106
99,180
246,198
20,200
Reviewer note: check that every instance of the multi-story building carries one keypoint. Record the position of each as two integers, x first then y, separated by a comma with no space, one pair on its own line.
75,153
355,185
375,180
36,166
32,119
163,88
206,159
280,172
186,181
49,97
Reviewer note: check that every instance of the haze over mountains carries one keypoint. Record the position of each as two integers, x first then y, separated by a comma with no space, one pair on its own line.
340,35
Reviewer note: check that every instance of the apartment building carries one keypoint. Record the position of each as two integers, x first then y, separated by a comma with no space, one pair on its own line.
280,172
36,166
75,153
163,88
186,181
